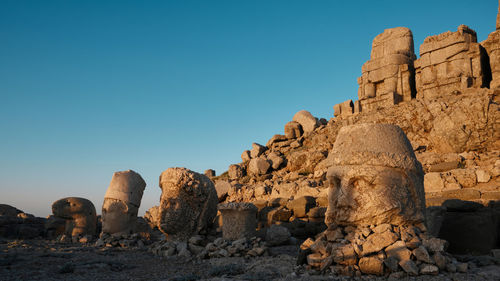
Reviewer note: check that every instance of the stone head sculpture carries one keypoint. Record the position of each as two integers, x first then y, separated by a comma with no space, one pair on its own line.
188,202
374,178
79,215
122,202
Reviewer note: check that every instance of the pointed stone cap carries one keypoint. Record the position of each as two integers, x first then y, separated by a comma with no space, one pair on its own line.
126,186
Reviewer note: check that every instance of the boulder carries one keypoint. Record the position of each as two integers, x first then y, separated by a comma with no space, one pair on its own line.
377,241
258,166
245,156
257,150
121,202
188,203
371,265
306,120
301,205
79,214
152,216
277,235
235,171
293,130
222,188
276,139
276,160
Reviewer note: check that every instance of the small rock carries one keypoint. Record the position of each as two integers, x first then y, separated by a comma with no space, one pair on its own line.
277,235
422,255
371,265
462,267
435,244
257,150
439,260
429,269
482,176
409,267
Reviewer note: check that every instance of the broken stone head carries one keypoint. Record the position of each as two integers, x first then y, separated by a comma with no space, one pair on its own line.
122,202
188,203
78,214
374,178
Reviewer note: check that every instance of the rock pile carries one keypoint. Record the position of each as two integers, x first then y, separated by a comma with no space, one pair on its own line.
14,223
384,249
199,247
133,241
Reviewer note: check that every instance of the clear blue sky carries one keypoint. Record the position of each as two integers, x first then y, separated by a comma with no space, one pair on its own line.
88,88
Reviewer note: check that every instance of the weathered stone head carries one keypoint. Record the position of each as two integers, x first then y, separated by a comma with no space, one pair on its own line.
375,178
188,202
79,214
122,202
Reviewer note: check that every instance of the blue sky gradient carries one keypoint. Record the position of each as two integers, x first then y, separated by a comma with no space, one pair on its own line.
88,88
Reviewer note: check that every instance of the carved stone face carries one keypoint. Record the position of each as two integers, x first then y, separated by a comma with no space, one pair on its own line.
122,202
364,195
118,217
374,178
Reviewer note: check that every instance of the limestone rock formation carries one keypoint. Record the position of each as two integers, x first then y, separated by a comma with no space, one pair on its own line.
375,177
188,203
122,202
450,61
79,215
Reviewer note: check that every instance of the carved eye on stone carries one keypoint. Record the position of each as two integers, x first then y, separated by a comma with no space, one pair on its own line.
336,181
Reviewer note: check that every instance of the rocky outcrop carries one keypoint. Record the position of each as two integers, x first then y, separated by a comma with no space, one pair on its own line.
188,203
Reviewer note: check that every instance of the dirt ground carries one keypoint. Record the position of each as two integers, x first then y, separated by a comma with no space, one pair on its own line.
49,260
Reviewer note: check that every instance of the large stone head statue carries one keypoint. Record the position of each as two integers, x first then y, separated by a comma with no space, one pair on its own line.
78,214
122,202
375,178
188,203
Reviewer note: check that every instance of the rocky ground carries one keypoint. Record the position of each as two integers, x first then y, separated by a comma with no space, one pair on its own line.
49,260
